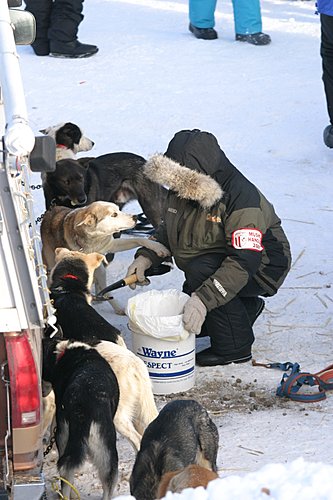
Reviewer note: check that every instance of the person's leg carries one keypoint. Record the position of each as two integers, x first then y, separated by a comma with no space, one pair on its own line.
248,23
230,332
253,304
201,13
66,16
247,16
229,327
202,21
65,19
326,52
41,10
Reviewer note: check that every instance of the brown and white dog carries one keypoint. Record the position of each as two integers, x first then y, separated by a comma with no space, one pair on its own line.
191,476
91,229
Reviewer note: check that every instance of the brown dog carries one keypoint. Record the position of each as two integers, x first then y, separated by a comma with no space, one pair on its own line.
91,229
191,476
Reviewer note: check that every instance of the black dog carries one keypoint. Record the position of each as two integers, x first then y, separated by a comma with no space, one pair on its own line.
182,434
87,395
114,177
78,319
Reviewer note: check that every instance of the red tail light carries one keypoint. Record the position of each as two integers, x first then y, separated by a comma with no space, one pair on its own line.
24,382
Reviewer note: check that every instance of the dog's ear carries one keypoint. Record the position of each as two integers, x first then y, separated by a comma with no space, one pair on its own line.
89,220
60,253
95,259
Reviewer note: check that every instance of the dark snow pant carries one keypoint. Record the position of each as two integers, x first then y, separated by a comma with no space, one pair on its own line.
56,20
326,52
230,326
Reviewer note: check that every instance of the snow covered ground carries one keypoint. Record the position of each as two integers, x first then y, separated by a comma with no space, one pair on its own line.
266,105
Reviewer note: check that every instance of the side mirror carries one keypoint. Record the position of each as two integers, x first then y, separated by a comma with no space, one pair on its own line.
14,3
43,157
24,26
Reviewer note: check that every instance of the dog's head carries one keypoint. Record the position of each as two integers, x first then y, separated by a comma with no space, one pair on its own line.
68,181
78,267
69,136
104,218
191,476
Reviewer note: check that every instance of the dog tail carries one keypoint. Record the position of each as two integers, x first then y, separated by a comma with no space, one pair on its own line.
147,410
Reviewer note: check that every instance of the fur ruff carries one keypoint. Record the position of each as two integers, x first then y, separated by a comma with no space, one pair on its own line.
189,184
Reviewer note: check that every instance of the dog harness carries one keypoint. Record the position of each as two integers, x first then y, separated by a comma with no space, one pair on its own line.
292,382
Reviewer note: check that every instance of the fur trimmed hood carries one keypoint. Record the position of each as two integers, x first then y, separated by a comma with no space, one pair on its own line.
188,184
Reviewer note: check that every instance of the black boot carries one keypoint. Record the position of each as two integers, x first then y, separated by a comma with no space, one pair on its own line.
207,357
203,33
73,50
254,38
328,136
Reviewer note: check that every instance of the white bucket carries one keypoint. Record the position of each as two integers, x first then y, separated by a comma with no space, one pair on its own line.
170,360
171,364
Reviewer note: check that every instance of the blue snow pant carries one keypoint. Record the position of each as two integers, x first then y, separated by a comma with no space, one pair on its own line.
247,15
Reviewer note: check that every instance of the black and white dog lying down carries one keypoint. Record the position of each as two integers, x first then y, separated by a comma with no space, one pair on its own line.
182,434
87,395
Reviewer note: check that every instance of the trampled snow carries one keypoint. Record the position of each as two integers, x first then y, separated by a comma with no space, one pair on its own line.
266,106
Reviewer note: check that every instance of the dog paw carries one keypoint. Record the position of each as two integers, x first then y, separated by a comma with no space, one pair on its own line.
116,307
158,248
119,311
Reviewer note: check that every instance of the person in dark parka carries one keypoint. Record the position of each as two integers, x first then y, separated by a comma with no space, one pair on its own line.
226,238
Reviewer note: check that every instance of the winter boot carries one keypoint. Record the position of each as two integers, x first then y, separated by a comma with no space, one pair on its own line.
208,357
203,33
73,50
328,136
255,38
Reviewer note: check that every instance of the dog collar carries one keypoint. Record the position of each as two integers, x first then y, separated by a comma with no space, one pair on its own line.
62,146
71,276
59,290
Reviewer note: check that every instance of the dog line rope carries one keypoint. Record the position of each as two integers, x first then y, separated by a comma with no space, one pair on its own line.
55,487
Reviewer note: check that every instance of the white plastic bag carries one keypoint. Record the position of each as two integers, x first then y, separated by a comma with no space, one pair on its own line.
159,314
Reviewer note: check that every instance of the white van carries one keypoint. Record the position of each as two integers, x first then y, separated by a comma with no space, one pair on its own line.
24,301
